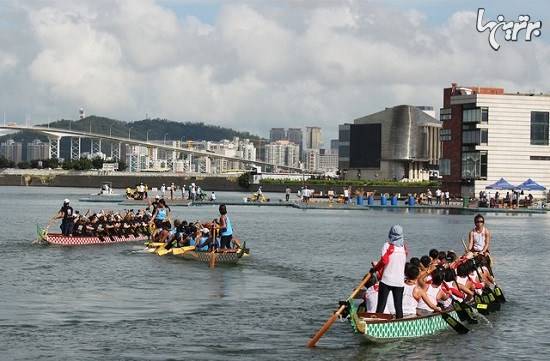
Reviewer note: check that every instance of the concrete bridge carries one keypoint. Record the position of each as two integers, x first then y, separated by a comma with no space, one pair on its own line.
55,134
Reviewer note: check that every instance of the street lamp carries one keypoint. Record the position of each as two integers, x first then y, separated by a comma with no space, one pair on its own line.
165,134
129,130
110,129
147,136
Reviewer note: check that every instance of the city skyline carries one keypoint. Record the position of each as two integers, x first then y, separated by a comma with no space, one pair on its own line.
261,64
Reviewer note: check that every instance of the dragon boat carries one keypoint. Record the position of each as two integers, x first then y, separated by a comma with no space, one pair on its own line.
226,256
379,327
59,239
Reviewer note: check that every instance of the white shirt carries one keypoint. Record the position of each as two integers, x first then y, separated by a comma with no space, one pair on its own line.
394,272
438,193
346,193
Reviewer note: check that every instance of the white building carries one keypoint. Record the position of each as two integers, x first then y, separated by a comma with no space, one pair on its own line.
283,152
311,158
328,162
488,134
37,150
12,150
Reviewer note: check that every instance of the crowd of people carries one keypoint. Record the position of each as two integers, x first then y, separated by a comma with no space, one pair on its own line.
192,192
430,283
103,224
217,234
154,221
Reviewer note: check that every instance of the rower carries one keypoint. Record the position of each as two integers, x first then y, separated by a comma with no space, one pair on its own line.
413,293
434,292
479,237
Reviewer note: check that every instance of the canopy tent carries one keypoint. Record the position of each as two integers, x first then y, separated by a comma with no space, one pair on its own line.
501,184
530,185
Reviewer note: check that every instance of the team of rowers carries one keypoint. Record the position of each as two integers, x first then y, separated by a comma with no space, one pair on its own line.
429,283
154,222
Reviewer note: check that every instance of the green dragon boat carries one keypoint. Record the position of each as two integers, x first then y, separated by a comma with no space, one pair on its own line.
379,327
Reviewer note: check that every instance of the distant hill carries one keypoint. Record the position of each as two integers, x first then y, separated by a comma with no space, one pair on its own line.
157,128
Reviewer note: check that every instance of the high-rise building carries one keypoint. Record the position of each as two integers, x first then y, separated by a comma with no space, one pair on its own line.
37,150
12,150
276,134
296,136
282,152
334,144
311,157
313,138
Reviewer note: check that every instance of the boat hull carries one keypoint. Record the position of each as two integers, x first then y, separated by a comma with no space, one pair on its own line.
61,240
221,257
383,330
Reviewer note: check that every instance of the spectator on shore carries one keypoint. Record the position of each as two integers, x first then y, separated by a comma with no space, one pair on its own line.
429,193
438,196
447,197
287,194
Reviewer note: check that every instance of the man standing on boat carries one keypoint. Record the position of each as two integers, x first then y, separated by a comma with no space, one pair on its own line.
479,238
392,266
67,219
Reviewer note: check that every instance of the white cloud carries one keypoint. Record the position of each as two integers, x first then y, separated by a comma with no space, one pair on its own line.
257,66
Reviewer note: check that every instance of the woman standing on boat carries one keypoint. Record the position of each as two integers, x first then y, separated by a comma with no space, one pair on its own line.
392,266
226,228
479,237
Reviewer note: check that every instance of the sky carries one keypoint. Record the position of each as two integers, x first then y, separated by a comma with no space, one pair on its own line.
254,65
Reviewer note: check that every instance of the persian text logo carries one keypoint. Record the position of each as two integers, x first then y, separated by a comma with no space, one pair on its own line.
511,29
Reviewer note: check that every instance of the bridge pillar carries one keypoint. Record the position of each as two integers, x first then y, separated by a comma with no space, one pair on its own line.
171,160
115,150
75,148
54,147
95,145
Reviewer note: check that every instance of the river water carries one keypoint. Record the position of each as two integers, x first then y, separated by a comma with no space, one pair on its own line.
119,303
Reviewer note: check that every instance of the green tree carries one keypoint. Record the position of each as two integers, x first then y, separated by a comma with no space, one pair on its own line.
122,165
4,163
97,163
23,165
67,164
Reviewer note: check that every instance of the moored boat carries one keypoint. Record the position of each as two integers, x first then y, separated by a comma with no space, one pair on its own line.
59,239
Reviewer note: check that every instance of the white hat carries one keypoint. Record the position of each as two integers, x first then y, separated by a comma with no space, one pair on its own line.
66,200
157,197
205,230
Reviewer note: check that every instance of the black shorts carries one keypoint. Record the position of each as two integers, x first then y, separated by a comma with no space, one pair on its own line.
225,241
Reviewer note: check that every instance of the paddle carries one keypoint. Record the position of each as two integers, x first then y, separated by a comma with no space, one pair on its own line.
182,250
313,341
454,323
498,291
212,262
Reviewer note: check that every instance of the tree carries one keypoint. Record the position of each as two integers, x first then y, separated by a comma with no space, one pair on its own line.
4,163
97,163
23,165
51,163
121,165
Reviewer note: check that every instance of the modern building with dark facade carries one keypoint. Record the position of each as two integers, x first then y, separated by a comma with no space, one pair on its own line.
397,143
488,134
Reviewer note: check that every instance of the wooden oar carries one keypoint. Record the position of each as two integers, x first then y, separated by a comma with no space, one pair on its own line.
313,341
